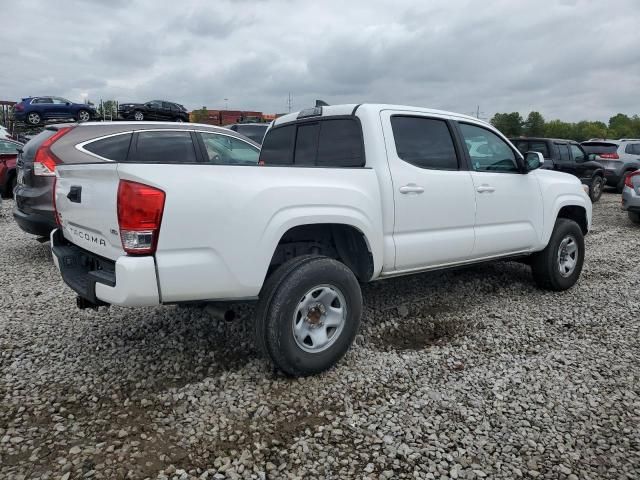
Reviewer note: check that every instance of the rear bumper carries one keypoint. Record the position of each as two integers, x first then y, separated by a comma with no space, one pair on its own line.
630,200
128,281
612,177
40,224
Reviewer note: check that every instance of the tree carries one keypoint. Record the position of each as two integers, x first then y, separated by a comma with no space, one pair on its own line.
108,109
559,129
200,116
620,126
585,130
510,124
534,125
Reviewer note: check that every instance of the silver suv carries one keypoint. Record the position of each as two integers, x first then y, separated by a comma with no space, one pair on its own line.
631,196
618,157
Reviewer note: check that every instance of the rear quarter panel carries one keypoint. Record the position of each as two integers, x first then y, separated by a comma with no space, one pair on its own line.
221,224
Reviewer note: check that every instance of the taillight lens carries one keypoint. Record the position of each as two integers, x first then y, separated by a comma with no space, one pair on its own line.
610,156
19,107
628,180
44,163
55,208
140,210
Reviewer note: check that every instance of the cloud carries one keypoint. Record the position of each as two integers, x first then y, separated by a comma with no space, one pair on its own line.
571,59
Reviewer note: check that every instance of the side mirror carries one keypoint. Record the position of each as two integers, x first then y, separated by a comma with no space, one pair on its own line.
533,160
592,156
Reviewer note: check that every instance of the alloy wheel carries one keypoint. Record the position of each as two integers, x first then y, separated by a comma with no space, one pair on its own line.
567,255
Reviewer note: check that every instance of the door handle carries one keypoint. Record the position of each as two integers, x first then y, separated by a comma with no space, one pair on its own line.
411,188
75,194
485,188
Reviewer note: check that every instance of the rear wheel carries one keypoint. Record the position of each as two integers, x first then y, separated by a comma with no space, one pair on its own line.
308,314
138,116
634,217
34,118
595,189
558,266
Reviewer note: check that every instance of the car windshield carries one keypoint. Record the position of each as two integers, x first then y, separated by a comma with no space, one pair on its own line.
599,147
254,132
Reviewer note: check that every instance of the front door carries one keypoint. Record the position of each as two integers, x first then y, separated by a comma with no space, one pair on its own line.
434,202
508,202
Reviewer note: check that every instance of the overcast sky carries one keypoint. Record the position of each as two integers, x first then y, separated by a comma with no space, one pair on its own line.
568,59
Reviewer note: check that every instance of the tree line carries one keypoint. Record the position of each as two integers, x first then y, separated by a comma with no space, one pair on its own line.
513,125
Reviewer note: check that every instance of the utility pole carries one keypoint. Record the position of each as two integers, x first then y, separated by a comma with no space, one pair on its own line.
478,114
289,102
226,104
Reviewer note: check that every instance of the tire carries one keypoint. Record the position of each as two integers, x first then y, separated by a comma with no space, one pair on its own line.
138,116
178,120
34,118
634,217
83,116
547,264
595,189
296,298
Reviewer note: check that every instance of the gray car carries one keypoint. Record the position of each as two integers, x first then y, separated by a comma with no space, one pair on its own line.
140,142
631,196
618,157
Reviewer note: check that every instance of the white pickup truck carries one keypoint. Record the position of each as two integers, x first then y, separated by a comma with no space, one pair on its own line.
340,195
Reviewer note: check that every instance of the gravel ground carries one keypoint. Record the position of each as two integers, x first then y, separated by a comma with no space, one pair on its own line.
467,374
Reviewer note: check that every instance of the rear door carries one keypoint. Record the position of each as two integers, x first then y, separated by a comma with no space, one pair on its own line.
433,192
86,196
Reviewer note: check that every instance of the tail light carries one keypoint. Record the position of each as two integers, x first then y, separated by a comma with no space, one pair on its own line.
19,107
609,156
628,180
56,216
44,163
140,209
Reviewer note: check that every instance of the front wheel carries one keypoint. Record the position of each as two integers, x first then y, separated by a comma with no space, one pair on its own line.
308,314
138,116
558,266
634,217
595,189
83,116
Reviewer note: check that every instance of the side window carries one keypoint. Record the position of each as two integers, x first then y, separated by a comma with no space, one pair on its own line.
521,145
539,147
340,144
113,148
166,105
424,142
42,100
60,101
8,147
277,148
488,152
226,150
155,104
578,154
564,153
632,148
164,147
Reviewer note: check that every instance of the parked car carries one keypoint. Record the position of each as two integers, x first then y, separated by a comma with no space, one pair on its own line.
342,195
631,196
254,131
35,110
618,157
567,156
8,157
153,110
34,210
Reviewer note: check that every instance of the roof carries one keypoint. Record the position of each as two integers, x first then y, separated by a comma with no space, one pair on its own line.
352,108
515,139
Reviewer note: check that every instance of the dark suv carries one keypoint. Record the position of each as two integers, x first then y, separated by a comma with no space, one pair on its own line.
153,110
567,156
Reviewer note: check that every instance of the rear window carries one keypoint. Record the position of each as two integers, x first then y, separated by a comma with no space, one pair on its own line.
113,148
600,147
254,132
164,147
325,143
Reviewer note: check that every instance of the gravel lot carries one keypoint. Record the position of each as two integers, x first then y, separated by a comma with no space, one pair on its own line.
466,374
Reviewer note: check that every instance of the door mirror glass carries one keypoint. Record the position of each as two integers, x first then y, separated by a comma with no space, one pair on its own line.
592,156
533,160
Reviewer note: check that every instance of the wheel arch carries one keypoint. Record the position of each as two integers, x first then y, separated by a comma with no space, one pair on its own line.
342,240
573,207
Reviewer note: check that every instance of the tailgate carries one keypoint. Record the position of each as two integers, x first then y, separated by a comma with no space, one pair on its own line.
86,200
